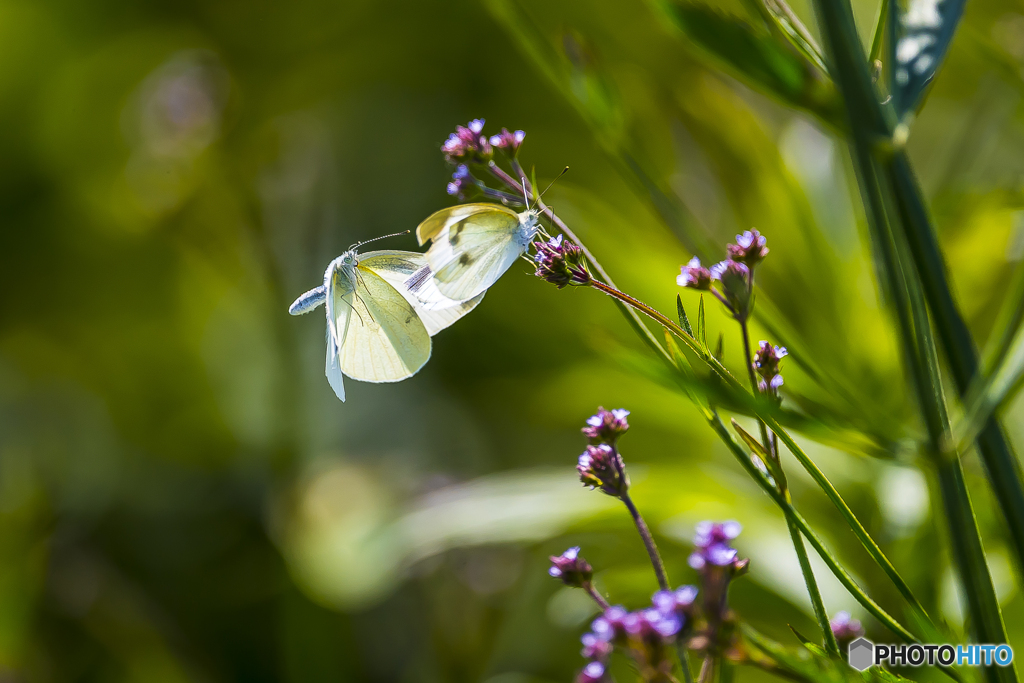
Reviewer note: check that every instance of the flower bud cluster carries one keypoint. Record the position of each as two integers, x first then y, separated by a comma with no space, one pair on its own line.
571,568
601,465
766,364
845,628
468,143
561,263
735,275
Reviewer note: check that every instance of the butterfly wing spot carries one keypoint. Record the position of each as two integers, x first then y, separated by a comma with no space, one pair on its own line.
465,259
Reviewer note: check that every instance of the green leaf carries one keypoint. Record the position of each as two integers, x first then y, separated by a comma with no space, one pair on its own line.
813,647
683,320
926,31
752,443
763,61
702,333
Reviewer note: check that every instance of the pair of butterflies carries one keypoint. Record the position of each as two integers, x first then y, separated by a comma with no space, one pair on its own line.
384,306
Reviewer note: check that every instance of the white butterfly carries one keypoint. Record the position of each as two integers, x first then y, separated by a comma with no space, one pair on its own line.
377,330
472,245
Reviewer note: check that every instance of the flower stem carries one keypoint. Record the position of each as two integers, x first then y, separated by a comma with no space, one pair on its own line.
645,534
828,638
597,597
684,661
707,670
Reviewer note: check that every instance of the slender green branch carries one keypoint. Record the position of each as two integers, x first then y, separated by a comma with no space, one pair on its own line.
595,596
684,661
652,549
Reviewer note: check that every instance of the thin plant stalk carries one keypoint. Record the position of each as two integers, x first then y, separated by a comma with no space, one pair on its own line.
645,534
818,605
684,661
595,596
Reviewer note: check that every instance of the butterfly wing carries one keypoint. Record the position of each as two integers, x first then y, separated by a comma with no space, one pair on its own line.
445,218
470,255
385,340
333,369
409,273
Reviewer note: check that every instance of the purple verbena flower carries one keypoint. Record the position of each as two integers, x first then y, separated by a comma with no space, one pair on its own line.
469,143
459,180
735,280
712,544
749,248
846,628
507,141
571,568
766,363
606,426
594,672
609,626
561,263
694,276
601,467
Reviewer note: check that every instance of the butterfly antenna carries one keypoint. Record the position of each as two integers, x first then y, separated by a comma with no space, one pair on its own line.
564,171
374,239
526,195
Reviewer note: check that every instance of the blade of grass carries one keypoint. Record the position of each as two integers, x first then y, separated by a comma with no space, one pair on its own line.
990,394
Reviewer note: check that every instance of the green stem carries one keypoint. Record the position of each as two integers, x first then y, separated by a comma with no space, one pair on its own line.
597,597
828,638
645,534
684,661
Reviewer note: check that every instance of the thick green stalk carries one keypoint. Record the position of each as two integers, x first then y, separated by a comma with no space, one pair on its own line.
1001,465
869,123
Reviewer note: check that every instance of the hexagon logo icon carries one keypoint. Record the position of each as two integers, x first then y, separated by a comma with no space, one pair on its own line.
861,654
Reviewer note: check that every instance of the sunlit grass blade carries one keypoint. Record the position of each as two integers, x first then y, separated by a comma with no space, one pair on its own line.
765,62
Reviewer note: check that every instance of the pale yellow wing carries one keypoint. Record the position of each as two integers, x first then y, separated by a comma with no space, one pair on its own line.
399,269
445,218
470,255
385,340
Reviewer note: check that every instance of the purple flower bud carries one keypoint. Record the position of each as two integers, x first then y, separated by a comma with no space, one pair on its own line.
735,279
508,141
845,628
766,363
468,143
749,248
694,275
461,171
609,626
606,426
595,647
572,569
601,467
712,544
561,263
592,673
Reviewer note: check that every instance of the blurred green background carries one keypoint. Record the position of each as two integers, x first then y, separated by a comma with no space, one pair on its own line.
182,498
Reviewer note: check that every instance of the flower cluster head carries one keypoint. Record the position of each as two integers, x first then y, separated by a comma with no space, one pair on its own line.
694,276
606,426
509,142
845,628
571,568
646,633
712,545
749,249
460,178
766,363
734,275
675,606
601,466
468,143
561,263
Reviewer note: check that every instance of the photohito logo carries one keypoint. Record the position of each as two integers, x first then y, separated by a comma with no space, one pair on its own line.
862,653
